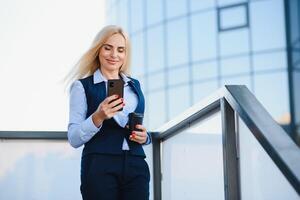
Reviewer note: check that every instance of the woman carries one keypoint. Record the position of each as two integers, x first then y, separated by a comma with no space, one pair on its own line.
113,162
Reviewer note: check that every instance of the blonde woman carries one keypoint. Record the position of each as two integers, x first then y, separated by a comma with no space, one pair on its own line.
113,162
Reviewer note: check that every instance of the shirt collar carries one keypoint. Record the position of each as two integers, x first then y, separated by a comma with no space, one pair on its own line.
98,77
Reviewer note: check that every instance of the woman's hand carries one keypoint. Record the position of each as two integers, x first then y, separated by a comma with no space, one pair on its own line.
139,136
107,109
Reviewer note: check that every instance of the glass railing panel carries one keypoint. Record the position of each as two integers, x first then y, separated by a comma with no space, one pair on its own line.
192,162
39,169
260,177
43,169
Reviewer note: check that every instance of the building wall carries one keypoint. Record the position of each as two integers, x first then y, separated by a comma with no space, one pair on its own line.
184,50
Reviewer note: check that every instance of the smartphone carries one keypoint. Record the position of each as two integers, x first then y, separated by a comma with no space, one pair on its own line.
115,87
134,119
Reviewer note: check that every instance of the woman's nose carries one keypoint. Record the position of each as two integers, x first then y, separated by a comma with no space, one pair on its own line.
114,54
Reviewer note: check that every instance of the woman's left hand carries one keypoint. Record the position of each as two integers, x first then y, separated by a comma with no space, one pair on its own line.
139,136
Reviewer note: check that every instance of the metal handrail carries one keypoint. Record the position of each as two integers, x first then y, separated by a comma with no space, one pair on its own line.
276,142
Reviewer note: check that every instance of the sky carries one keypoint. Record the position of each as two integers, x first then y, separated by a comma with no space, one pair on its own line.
40,42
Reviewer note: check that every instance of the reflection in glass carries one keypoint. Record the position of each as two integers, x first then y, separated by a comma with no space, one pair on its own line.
233,17
260,177
192,163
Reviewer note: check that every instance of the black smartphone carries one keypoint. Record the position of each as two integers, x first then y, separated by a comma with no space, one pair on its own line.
134,119
115,87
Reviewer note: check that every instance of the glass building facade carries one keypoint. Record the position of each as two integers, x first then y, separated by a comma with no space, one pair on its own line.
183,50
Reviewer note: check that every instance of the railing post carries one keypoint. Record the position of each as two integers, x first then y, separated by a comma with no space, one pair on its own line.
230,156
157,176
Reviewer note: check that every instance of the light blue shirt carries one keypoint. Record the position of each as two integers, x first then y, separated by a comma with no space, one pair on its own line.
81,130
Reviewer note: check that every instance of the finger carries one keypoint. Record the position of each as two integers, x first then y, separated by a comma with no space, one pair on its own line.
117,108
139,137
115,102
111,98
133,138
139,133
141,127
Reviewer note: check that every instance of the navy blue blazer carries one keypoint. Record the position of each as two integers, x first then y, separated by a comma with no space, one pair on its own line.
110,137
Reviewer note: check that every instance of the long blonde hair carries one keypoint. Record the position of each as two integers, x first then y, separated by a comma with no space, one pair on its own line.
90,62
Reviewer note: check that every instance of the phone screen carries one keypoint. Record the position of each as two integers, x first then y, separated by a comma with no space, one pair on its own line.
115,86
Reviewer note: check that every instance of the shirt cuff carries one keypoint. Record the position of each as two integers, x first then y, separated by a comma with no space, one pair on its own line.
88,128
148,141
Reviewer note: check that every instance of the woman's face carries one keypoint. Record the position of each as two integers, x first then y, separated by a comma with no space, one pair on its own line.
112,53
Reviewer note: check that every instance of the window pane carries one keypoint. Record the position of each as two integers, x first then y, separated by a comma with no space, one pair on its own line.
234,42
229,2
157,109
138,63
179,100
204,29
154,11
269,61
196,5
40,43
136,15
177,42
178,75
233,17
263,26
155,50
272,91
204,71
123,14
176,8
238,65
157,81
202,90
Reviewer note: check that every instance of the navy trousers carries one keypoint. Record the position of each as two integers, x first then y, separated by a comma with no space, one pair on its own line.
114,177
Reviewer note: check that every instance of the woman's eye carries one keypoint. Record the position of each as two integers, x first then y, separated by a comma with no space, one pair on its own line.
106,48
121,50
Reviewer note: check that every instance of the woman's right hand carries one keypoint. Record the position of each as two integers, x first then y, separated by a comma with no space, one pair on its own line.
107,109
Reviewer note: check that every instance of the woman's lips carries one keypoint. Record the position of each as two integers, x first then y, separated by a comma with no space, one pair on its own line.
112,61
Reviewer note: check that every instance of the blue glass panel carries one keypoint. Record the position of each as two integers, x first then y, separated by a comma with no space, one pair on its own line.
204,71
157,81
272,91
237,65
269,61
296,81
268,28
157,109
204,38
196,5
179,100
176,8
234,42
178,75
202,90
154,11
177,42
155,49
233,17
138,63
137,15
123,14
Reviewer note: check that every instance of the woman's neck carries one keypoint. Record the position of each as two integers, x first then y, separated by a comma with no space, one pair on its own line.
110,74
